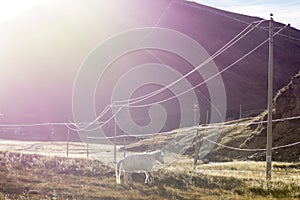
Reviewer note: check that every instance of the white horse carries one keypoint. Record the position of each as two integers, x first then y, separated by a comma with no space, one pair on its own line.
138,163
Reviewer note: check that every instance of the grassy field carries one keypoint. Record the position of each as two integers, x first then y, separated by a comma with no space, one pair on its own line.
42,177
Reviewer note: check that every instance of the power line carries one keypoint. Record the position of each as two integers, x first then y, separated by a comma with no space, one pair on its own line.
216,143
172,132
109,106
289,37
209,127
221,50
182,93
136,100
208,60
225,47
250,150
222,71
199,127
161,16
90,124
232,148
225,69
247,123
34,124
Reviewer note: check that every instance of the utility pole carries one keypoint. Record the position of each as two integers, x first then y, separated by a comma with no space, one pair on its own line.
270,103
195,113
197,136
52,133
240,111
87,145
197,146
68,140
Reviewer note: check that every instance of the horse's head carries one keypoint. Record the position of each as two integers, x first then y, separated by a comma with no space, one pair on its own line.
159,156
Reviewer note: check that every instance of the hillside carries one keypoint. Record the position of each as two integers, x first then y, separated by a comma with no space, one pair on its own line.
286,105
247,133
42,50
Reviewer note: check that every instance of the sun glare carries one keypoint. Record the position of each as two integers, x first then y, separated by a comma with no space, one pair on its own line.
12,8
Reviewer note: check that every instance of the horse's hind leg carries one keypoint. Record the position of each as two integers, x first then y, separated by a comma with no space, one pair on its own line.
147,177
151,178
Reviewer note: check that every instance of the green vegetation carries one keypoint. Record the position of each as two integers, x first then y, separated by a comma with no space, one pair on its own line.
41,177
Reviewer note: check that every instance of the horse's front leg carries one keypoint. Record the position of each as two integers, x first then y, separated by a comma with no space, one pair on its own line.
130,178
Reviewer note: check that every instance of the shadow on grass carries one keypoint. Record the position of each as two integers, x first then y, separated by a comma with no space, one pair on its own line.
276,190
184,181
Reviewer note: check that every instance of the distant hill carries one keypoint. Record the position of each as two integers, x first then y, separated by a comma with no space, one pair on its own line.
287,105
42,50
247,133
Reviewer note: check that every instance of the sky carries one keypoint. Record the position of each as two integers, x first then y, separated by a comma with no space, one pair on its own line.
287,12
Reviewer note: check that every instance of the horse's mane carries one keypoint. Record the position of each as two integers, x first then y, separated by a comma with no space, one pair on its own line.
149,152
154,152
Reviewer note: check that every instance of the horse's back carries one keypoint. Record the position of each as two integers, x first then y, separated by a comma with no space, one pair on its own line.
138,162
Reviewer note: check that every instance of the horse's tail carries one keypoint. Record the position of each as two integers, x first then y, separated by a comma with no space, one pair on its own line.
118,171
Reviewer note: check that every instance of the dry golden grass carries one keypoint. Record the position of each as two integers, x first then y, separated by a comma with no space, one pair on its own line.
41,177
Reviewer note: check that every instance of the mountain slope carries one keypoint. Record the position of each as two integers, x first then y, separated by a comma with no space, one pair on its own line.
245,139
42,50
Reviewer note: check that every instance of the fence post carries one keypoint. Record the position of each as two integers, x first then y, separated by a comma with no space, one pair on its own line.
68,139
87,146
52,133
124,147
115,141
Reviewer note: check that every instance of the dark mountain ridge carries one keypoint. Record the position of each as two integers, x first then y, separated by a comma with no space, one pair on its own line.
43,49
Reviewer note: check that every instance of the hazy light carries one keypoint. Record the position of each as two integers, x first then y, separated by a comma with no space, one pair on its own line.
12,8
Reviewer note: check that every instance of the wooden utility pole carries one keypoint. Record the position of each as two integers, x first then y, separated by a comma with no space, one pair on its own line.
240,111
270,103
197,136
